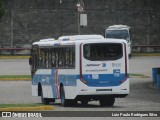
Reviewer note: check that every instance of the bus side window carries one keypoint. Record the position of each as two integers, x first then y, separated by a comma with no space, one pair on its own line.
54,55
63,57
50,58
70,57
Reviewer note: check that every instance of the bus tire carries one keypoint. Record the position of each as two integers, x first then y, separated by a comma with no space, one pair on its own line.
64,101
107,102
84,102
44,100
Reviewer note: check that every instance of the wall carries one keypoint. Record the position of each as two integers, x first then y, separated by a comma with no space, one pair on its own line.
27,21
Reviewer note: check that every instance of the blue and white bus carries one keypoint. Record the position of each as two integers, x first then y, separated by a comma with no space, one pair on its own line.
80,68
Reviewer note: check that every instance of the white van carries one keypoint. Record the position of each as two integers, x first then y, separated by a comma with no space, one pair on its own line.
120,32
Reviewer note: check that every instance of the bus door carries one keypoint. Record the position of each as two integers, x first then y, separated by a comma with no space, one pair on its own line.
102,64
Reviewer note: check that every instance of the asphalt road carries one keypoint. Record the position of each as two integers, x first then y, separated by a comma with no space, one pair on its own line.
143,95
144,65
14,67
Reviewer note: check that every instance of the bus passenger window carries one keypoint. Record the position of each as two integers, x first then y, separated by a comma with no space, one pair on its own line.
53,57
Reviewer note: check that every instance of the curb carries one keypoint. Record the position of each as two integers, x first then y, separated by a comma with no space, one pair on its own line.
39,108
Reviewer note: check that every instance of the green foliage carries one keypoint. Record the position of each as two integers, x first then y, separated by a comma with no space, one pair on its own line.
1,8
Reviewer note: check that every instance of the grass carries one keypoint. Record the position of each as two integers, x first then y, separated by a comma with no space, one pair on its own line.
137,75
19,105
28,77
25,107
145,54
15,76
14,57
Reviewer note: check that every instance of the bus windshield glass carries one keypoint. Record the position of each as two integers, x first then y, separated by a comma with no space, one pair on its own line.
119,34
103,51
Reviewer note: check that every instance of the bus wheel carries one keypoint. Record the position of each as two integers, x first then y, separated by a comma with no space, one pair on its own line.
64,102
107,102
44,101
84,102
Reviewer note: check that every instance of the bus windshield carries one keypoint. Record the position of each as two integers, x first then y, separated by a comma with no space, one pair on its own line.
103,51
119,34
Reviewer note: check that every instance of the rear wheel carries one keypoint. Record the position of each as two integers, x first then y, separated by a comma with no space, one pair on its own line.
66,102
107,101
84,102
44,100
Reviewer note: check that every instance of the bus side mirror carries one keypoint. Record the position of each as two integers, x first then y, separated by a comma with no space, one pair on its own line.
30,61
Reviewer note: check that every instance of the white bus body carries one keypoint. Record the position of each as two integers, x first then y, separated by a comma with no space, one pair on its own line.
80,70
79,37
120,32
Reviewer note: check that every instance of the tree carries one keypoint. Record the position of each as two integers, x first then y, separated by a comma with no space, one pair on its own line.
1,8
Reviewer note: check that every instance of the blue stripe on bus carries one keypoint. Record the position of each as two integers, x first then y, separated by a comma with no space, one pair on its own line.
68,80
53,74
46,79
71,80
93,80
104,80
43,78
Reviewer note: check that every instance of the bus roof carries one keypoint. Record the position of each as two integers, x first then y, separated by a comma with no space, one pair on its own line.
57,43
72,40
118,27
79,37
46,40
